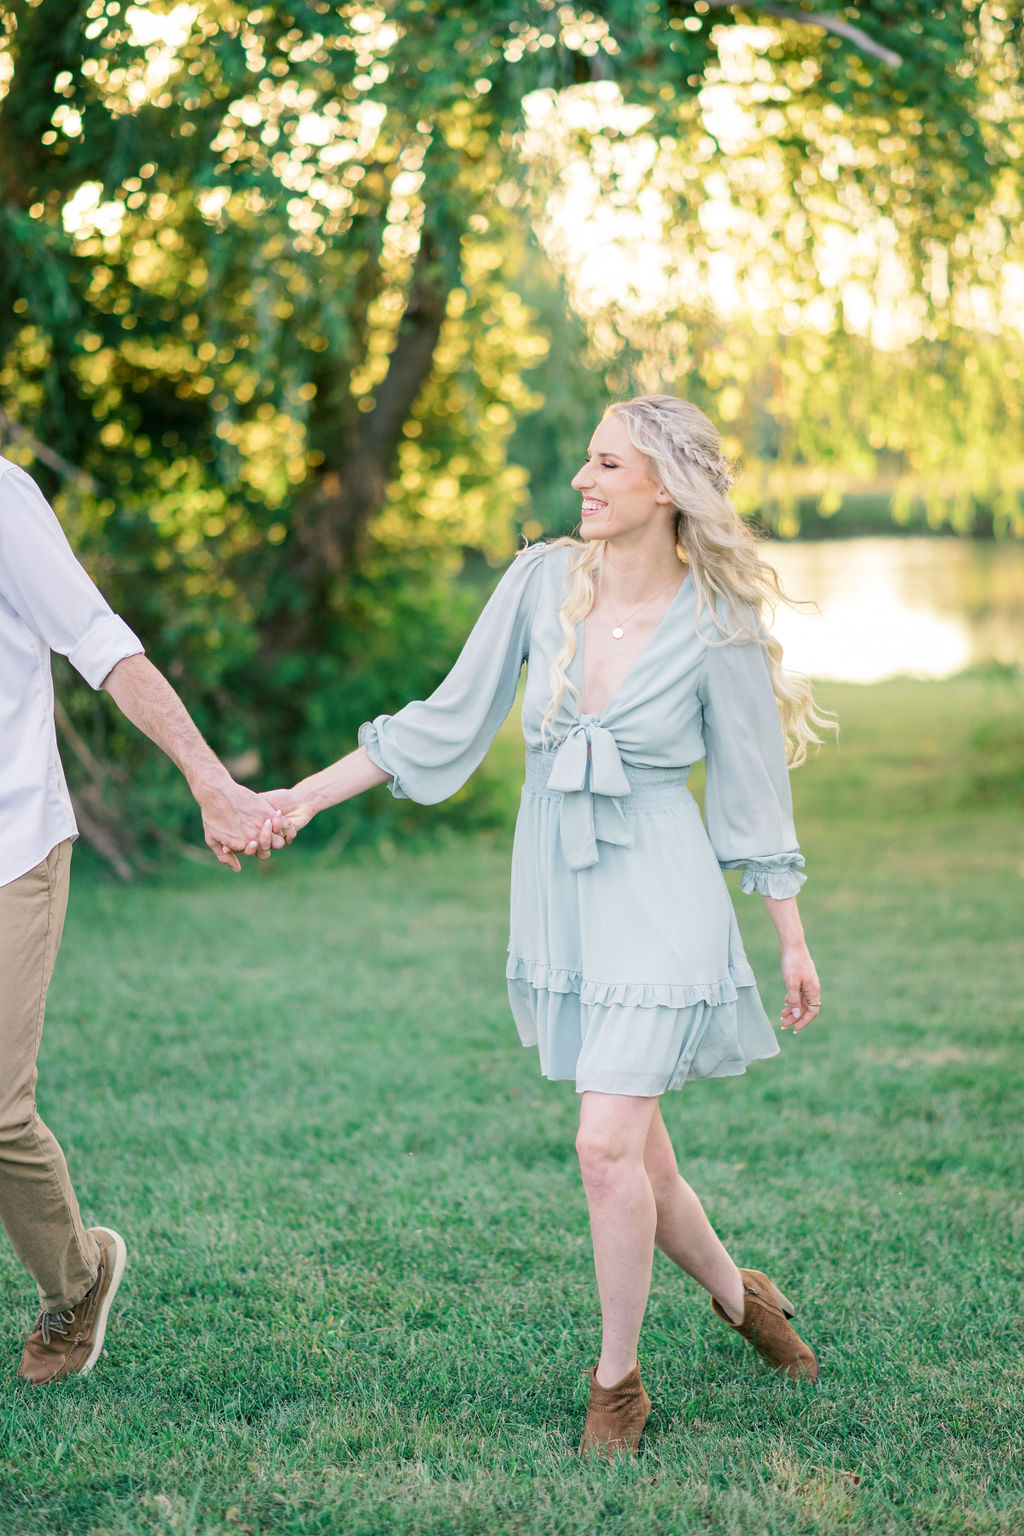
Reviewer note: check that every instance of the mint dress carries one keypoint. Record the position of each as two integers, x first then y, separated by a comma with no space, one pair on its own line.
625,964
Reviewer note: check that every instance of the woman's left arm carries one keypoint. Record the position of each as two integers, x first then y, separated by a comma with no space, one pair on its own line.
803,989
749,808
747,803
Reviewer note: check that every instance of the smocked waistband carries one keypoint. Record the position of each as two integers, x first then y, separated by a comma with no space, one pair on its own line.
650,789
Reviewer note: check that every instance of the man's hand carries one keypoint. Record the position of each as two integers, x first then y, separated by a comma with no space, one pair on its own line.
237,820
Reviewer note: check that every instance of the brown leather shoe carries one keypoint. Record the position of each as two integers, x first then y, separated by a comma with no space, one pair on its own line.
616,1416
765,1324
68,1343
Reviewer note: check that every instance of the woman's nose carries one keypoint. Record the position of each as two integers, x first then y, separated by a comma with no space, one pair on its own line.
581,479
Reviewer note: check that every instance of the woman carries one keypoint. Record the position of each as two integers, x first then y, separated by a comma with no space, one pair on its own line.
646,652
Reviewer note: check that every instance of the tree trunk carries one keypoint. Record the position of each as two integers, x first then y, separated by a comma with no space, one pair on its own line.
330,529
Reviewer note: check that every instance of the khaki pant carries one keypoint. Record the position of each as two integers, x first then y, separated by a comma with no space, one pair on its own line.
37,1204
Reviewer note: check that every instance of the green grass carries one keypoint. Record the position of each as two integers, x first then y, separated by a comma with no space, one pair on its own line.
360,1297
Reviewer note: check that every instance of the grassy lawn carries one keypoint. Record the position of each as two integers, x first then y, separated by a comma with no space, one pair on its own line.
360,1296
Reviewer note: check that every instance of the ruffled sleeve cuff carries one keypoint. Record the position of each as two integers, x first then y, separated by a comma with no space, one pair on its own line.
371,741
778,877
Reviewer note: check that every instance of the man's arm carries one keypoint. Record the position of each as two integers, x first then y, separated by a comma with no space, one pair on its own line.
43,582
233,816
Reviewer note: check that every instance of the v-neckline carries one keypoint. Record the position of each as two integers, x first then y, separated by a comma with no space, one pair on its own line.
581,642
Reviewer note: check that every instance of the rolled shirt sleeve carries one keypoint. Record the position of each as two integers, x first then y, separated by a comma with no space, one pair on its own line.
748,802
432,746
45,585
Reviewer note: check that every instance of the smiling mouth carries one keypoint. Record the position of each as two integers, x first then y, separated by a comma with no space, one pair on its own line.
590,507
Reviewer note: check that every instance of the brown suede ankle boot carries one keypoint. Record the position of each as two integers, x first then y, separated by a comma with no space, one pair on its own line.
765,1324
616,1416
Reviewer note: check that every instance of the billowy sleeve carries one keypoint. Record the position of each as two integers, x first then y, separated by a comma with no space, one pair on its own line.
432,746
748,805
47,587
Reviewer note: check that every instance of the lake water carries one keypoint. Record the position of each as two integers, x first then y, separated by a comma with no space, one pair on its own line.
917,607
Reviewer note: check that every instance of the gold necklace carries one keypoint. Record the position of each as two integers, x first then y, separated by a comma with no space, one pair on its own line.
619,630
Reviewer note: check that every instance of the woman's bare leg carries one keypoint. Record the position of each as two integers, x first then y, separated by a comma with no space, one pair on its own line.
614,1131
682,1230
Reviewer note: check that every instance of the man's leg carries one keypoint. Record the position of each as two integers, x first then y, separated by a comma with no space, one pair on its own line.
38,1207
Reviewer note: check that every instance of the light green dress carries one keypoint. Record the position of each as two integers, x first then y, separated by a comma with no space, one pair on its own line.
625,964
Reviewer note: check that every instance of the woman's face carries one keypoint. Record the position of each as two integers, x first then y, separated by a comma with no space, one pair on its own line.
619,497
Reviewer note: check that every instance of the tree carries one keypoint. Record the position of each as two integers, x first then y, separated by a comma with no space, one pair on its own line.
261,276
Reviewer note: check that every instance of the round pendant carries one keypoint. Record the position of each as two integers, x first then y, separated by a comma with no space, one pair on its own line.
617,632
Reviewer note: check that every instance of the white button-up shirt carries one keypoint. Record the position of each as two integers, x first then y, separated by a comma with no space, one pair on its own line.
47,603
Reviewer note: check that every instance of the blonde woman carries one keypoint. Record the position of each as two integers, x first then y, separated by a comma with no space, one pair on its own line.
646,652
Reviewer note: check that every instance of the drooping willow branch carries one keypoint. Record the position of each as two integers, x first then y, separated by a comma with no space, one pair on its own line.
826,23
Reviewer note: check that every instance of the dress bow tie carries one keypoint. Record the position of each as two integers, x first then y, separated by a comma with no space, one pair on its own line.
588,771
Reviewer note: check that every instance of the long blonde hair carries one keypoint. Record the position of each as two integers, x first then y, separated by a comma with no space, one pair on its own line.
683,451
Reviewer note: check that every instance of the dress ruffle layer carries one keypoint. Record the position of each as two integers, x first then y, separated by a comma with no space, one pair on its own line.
629,994
645,1051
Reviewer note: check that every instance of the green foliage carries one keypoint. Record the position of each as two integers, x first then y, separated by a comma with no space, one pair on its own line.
936,427
281,285
823,288
572,385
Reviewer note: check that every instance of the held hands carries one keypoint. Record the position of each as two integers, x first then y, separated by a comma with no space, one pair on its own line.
237,820
295,810
803,989
349,776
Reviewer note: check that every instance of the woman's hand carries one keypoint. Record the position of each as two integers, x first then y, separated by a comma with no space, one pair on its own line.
803,989
292,807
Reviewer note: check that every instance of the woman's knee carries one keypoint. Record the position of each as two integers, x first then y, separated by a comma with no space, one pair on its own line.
605,1154
612,1134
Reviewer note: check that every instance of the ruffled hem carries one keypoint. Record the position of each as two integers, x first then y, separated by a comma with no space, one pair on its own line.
629,994
640,1051
369,740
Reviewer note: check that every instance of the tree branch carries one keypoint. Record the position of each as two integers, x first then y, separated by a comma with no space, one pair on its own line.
47,456
96,822
834,24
